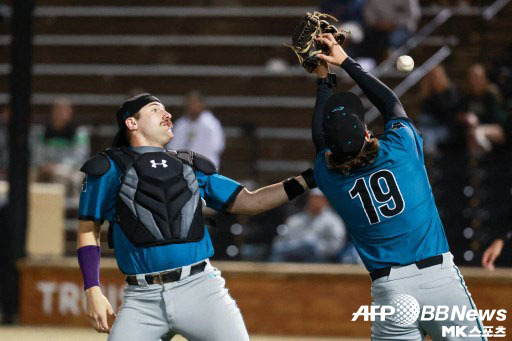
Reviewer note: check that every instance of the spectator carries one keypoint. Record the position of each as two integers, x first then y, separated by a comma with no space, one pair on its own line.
198,130
482,114
388,25
4,146
61,148
344,10
440,102
501,235
315,235
492,252
501,75
350,15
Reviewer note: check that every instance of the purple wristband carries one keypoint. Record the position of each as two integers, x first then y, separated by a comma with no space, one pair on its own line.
89,260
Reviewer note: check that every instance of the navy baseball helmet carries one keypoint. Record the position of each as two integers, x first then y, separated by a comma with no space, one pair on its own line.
129,108
343,125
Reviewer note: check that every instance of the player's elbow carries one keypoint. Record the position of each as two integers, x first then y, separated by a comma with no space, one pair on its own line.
247,203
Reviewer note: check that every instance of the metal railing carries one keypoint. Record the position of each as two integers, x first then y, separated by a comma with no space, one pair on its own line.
166,11
424,33
494,8
413,78
413,42
421,36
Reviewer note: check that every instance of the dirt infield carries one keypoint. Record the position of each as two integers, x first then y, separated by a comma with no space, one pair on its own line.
85,334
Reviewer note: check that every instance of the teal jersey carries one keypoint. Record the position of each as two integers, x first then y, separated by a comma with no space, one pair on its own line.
98,203
388,206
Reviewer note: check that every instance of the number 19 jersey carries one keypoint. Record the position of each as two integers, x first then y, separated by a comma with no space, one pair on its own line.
388,206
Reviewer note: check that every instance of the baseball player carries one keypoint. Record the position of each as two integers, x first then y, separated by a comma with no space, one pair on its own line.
380,188
153,199
493,251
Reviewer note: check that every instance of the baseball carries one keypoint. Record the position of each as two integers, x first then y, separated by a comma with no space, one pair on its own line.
404,63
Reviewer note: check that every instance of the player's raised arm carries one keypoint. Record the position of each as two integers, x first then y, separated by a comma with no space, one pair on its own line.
322,95
377,92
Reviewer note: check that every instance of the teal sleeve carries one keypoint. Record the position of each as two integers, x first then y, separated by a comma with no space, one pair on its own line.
320,166
217,190
99,195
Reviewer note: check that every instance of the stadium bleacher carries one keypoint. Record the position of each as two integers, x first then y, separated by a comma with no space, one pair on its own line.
98,52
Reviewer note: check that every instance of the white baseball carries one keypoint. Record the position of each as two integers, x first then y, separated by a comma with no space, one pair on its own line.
405,63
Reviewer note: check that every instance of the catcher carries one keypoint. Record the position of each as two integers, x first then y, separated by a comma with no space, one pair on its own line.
153,199
304,44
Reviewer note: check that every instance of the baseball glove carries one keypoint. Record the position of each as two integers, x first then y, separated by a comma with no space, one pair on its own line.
305,47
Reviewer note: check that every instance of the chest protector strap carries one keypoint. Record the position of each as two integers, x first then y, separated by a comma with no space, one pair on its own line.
159,200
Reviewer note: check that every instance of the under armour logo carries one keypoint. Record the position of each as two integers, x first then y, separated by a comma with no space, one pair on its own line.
163,163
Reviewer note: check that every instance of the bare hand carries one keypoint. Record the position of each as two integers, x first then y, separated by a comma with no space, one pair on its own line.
491,254
336,54
98,308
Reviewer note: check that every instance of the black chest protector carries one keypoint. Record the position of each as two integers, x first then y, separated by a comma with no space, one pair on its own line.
159,200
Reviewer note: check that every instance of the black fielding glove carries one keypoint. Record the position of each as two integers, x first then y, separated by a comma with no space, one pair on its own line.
309,27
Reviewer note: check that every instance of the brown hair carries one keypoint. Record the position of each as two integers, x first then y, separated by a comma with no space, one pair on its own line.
365,157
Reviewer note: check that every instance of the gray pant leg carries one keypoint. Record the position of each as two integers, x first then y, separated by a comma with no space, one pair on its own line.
446,287
203,310
141,316
382,294
433,287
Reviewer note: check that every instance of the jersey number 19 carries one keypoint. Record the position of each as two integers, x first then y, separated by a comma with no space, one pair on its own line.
388,195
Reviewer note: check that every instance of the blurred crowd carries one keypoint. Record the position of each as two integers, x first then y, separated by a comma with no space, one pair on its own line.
467,129
376,27
57,149
475,118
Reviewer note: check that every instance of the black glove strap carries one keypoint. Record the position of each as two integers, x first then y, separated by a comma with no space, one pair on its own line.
309,177
330,80
293,188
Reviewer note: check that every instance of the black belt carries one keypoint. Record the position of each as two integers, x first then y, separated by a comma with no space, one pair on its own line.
421,264
167,276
